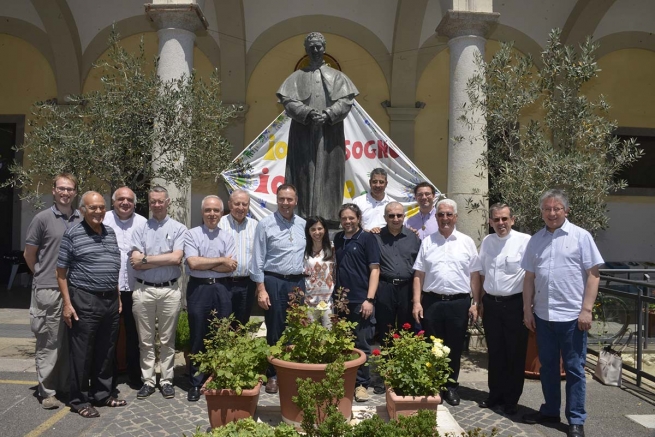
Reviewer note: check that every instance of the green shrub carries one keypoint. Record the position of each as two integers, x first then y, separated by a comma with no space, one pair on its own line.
182,335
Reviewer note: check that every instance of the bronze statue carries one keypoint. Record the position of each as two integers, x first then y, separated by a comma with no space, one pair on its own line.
317,98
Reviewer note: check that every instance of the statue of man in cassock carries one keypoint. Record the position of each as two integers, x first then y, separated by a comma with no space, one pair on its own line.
317,98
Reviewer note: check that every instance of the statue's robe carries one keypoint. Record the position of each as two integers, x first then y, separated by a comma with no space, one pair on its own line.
316,156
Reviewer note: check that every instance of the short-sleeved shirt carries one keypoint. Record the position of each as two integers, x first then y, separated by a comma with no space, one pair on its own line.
560,261
244,237
425,224
157,238
93,260
45,232
207,243
372,210
124,230
501,263
279,246
354,256
397,253
448,263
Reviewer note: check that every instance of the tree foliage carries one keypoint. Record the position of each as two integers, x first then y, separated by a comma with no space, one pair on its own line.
572,146
136,128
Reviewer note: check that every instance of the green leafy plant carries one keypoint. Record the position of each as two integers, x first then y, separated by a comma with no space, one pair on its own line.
306,340
234,357
182,333
412,366
249,428
544,132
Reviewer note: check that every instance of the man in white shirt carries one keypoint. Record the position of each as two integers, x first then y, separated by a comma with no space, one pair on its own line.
123,220
372,203
560,288
502,301
446,272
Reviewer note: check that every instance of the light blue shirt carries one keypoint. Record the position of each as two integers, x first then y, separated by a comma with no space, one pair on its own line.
156,238
124,231
207,243
425,224
279,246
243,234
560,261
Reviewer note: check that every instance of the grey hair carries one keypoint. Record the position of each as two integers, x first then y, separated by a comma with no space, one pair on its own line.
239,191
113,196
378,171
88,193
557,194
390,204
158,189
449,202
315,35
211,196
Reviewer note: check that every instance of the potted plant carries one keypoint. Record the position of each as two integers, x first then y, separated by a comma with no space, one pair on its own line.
307,347
414,370
236,361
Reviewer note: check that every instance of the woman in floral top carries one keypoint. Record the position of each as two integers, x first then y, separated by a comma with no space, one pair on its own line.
319,269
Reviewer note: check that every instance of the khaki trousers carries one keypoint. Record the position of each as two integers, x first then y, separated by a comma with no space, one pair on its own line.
161,304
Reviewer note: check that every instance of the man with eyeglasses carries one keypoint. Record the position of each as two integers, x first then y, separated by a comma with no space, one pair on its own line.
561,265
41,251
447,272
123,220
502,302
372,203
88,268
157,251
424,222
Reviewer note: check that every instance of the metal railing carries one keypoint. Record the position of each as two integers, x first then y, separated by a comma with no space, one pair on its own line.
637,295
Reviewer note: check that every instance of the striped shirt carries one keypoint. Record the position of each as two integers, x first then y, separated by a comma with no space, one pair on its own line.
279,246
93,260
156,238
244,236
207,243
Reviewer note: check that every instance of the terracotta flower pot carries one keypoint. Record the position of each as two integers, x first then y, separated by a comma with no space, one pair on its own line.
225,406
288,372
532,363
409,405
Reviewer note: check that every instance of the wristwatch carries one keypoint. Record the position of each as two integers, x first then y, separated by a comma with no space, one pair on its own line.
370,299
144,260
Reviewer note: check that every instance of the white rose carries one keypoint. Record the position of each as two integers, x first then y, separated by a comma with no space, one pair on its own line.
322,306
446,350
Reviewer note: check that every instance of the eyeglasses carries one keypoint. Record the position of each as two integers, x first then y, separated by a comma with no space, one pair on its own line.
445,214
555,210
64,189
392,216
420,195
500,219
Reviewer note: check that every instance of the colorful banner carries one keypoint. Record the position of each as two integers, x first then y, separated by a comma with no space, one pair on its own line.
367,147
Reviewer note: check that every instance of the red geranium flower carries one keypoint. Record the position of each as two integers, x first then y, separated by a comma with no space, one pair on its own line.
376,352
421,332
396,335
407,326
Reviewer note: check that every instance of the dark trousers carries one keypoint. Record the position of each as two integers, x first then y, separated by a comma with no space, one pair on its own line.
275,316
131,343
243,297
447,320
202,300
393,307
92,341
364,333
507,342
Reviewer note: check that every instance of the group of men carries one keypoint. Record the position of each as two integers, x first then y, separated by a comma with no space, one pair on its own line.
88,264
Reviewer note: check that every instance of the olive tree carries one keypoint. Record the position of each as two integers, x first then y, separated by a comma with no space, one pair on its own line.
569,144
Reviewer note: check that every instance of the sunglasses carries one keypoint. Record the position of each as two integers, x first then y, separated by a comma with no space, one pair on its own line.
500,219
391,216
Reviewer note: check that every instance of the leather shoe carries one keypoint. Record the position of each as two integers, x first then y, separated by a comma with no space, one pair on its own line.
489,403
537,417
450,395
271,386
576,431
193,394
511,409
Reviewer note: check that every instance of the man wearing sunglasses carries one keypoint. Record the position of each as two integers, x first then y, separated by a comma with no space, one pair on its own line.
502,301
447,271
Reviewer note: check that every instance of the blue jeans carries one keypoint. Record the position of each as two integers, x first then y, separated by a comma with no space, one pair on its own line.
554,338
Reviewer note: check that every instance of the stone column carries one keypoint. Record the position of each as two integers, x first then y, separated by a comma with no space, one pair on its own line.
401,126
467,31
176,21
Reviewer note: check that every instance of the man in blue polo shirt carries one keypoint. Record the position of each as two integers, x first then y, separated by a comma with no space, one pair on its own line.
358,270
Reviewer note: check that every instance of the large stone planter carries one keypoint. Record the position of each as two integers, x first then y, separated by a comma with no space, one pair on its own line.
288,372
409,405
225,406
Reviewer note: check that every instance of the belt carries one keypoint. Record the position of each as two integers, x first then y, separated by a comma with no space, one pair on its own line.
503,298
155,284
440,296
286,277
103,294
207,281
235,278
395,281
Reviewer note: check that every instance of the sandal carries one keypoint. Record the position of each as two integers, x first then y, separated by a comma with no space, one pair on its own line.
88,412
114,402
